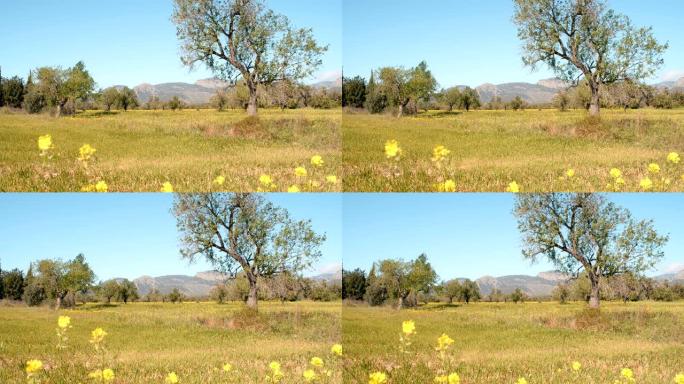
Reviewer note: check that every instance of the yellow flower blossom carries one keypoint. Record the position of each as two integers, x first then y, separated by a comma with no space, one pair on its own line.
673,157
171,378
101,187
33,366
96,374
309,375
63,322
447,186
679,378
377,378
513,187
227,367
274,365
444,342
167,187
300,172
86,152
570,173
454,378
615,173
293,189
442,379
646,184
408,327
439,153
392,149
219,180
316,362
576,366
336,349
317,161
627,373
45,143
332,179
654,168
107,374
97,335
521,380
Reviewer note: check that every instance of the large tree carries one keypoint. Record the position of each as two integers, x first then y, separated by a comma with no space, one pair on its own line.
353,284
402,278
584,38
242,38
59,86
59,279
353,92
401,85
587,233
245,232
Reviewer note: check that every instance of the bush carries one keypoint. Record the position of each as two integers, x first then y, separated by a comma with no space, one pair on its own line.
34,102
376,103
376,294
34,295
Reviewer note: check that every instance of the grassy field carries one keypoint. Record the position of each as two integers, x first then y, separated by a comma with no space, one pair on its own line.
140,150
491,149
146,341
502,342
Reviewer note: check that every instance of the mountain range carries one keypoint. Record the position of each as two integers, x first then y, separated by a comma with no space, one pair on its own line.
200,92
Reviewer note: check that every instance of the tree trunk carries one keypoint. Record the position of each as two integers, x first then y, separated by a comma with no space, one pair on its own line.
401,110
252,105
595,104
59,109
253,296
594,297
401,302
58,304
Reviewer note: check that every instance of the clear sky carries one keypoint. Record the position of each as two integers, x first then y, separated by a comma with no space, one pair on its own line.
129,42
473,235
130,235
471,42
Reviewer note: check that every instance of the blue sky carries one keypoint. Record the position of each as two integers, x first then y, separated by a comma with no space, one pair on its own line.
131,41
472,235
471,42
130,235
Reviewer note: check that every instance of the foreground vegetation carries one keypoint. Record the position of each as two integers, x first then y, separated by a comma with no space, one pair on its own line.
515,343
190,150
146,342
528,151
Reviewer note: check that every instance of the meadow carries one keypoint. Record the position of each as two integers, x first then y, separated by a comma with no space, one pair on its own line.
539,150
146,342
191,150
506,342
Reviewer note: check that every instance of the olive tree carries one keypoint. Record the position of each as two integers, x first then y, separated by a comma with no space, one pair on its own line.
242,38
584,38
245,232
60,278
587,233
402,85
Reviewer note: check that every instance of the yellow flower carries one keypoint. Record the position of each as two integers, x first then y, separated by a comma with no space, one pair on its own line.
443,379
97,335
408,327
96,374
513,187
265,180
673,157
219,180
679,379
227,367
620,181
171,378
309,375
33,366
447,186
570,173
317,161
316,362
101,186
107,374
300,172
627,373
454,378
654,168
646,184
615,173
293,189
392,149
336,349
63,321
440,153
521,381
443,342
332,179
167,187
377,378
45,143
85,152
274,365
576,366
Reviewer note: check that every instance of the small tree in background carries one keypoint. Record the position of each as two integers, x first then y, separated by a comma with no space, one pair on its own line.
452,98
470,291
354,92
127,291
175,104
452,290
13,91
517,296
470,99
127,99
175,296
586,233
109,98
353,284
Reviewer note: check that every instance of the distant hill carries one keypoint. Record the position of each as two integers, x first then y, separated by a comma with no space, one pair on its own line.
540,93
200,92
679,84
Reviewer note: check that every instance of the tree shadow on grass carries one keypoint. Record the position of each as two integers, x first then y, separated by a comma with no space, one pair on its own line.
441,114
440,306
98,306
96,114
